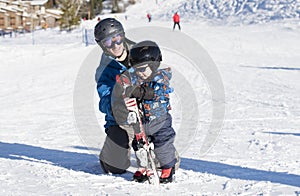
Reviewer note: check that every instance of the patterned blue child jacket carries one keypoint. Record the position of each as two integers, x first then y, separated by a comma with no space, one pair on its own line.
160,105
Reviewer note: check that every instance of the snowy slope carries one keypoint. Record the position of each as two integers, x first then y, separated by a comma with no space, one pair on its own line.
43,152
229,11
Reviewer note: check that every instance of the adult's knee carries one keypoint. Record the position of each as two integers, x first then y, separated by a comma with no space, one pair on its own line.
111,169
119,136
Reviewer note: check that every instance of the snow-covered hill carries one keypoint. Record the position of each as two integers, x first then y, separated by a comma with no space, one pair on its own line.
229,11
43,151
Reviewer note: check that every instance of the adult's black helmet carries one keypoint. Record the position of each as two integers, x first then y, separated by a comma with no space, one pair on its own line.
145,52
106,28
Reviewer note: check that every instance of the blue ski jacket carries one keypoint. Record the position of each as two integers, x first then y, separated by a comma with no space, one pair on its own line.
160,105
106,80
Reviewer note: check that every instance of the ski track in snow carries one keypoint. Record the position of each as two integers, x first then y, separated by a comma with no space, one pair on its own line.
257,152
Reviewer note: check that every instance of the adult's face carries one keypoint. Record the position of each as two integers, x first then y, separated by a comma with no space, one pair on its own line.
117,50
114,44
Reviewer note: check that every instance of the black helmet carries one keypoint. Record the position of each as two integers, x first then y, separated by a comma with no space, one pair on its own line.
106,28
145,52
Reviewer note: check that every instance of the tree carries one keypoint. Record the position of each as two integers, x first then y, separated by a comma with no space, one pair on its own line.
115,6
51,4
90,8
98,6
70,17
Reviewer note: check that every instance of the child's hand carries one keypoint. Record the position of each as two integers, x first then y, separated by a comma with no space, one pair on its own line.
140,92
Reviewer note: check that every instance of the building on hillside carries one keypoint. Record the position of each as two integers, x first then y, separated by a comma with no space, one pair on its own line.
52,17
27,15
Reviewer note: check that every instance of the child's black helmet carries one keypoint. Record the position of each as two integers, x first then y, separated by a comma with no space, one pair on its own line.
145,52
107,27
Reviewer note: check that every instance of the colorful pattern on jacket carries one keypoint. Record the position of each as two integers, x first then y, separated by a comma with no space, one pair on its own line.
160,82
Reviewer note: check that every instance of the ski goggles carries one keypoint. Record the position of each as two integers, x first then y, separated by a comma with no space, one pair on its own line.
142,68
109,42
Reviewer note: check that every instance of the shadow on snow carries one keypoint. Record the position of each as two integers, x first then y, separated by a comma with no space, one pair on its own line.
282,133
274,68
70,160
86,148
238,172
89,163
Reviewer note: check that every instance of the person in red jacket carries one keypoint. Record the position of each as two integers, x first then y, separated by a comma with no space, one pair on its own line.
176,20
149,17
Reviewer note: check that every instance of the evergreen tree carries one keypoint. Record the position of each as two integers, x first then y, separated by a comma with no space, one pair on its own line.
97,6
51,4
70,17
115,7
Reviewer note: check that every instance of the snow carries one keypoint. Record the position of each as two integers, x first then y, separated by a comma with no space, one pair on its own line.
45,151
38,2
230,11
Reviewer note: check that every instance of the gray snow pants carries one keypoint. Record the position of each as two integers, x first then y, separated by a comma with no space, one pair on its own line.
116,150
163,136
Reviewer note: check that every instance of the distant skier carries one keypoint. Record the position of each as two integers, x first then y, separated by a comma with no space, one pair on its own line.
149,17
150,86
176,20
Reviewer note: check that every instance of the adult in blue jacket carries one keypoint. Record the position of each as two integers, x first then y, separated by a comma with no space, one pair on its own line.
110,36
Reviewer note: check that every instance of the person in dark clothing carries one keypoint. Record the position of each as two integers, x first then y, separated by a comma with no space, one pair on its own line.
150,86
110,36
176,20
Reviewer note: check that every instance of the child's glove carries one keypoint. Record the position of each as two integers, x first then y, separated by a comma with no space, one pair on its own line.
140,92
137,144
